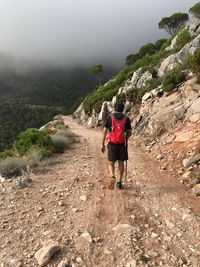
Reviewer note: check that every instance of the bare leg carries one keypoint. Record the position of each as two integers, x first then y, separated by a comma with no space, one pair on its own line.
111,168
121,169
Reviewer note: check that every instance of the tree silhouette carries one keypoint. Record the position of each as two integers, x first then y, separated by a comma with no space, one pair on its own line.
173,23
98,70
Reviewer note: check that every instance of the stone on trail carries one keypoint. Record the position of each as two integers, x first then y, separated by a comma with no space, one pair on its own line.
44,254
63,263
124,226
87,236
190,161
83,198
196,189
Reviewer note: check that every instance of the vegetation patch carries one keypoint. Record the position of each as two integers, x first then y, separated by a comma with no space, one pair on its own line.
183,38
172,79
194,60
12,167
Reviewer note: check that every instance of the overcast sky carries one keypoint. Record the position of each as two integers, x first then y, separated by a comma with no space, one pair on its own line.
82,30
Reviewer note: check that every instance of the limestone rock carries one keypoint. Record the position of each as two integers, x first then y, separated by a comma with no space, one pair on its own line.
120,227
167,64
136,76
190,161
63,263
196,190
87,236
44,255
194,25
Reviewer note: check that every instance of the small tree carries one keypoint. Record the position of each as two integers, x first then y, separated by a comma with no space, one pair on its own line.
159,43
195,10
98,70
173,23
147,49
194,60
131,59
182,39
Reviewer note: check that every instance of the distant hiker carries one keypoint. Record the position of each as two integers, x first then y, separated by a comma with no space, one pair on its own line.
119,127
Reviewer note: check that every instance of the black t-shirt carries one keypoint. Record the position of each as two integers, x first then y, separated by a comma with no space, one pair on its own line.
118,116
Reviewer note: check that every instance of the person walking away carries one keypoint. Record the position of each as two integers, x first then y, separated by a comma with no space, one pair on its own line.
118,128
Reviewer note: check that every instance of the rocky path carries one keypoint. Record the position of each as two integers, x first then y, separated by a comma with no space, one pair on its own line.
153,222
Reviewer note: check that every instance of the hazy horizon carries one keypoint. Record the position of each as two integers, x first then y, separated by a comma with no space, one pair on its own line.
74,32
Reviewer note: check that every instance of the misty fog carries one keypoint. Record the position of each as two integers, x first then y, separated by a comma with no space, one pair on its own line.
81,31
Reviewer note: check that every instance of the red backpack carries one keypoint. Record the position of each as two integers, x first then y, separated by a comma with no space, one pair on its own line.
117,135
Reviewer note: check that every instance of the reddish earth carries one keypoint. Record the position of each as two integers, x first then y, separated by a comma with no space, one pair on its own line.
154,221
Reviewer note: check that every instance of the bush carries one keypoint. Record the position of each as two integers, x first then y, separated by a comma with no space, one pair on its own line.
60,143
63,140
6,153
12,167
172,79
33,139
198,79
159,44
183,38
194,60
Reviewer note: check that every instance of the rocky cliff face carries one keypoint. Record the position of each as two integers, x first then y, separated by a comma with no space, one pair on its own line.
158,111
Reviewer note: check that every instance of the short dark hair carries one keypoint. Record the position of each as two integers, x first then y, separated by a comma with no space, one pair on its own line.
119,107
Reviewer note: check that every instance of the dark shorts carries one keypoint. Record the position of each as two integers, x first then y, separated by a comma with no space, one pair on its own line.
117,152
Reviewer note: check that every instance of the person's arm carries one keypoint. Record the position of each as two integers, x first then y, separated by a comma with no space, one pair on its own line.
128,133
103,148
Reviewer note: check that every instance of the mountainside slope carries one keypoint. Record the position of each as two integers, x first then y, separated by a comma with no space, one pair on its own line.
165,111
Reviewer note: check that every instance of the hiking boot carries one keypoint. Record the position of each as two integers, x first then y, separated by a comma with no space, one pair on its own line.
112,183
119,185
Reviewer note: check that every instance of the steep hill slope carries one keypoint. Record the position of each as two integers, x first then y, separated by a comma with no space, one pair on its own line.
165,111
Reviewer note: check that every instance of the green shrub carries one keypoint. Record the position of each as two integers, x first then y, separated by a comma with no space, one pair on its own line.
194,60
12,167
198,79
183,38
172,79
6,153
62,140
60,143
147,49
159,44
195,10
33,139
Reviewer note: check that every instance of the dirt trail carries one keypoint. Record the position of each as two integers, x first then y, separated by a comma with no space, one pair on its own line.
153,222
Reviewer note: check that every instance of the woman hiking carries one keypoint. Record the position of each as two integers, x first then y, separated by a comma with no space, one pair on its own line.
119,127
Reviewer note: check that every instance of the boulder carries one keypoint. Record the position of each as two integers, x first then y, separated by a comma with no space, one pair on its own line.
146,96
44,255
196,190
106,108
193,112
136,76
194,26
143,79
167,64
173,44
190,161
